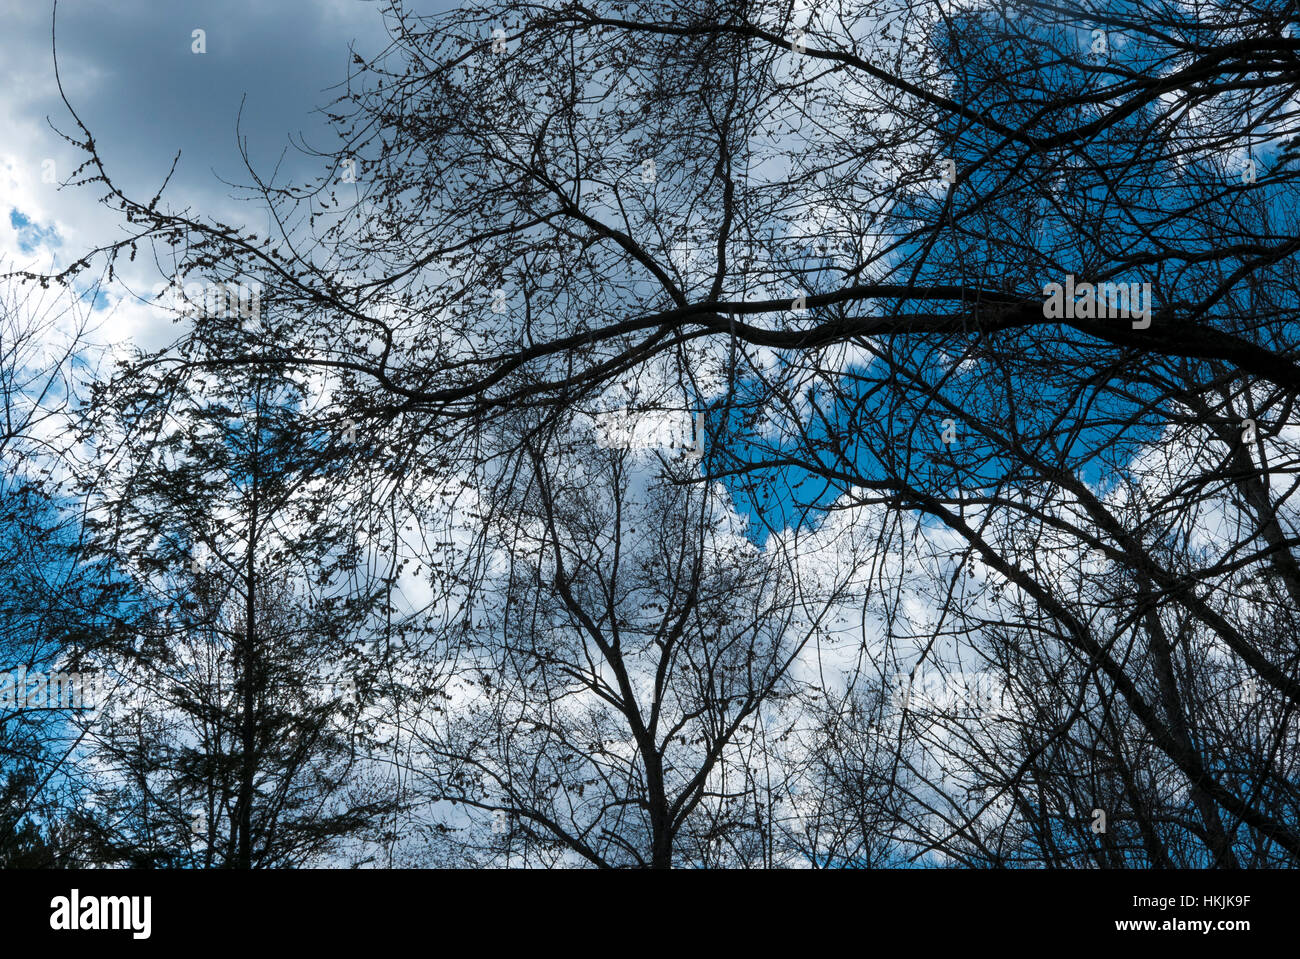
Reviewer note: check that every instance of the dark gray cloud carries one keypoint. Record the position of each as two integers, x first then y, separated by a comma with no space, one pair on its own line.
129,69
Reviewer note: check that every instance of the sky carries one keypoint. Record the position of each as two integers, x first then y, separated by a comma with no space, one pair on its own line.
130,70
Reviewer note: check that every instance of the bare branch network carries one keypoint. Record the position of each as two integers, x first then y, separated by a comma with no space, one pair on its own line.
688,433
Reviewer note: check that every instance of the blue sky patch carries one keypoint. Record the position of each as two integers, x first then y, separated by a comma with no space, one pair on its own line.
32,235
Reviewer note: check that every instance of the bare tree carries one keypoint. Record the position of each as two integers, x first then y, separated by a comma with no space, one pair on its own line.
1013,287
